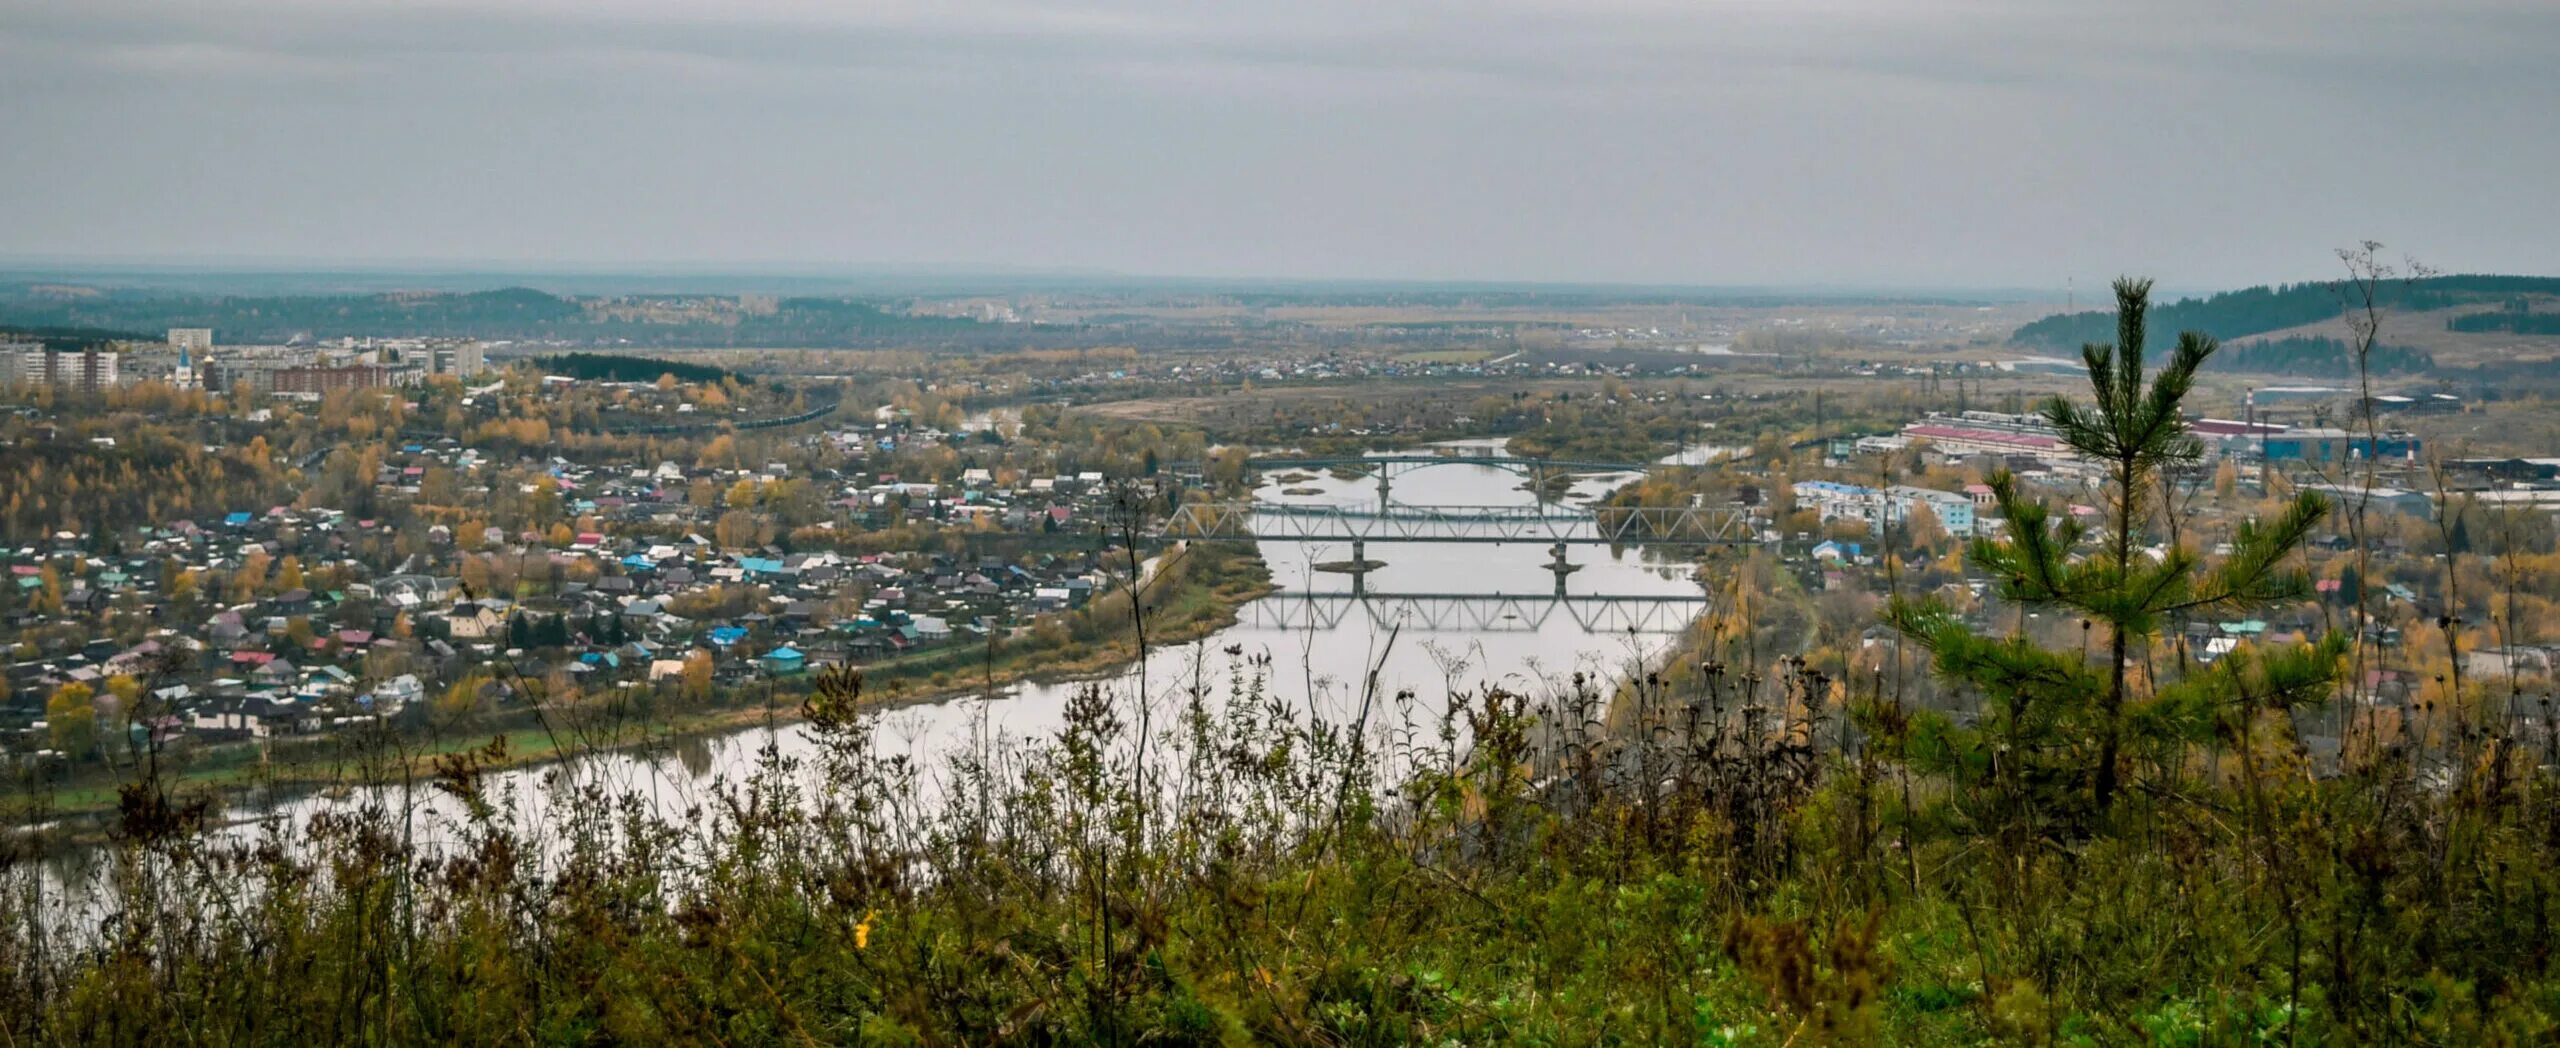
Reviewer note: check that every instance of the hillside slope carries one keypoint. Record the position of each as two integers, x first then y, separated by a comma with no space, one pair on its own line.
2269,309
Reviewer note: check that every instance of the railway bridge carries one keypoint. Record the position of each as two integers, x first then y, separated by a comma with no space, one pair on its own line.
1478,612
1385,468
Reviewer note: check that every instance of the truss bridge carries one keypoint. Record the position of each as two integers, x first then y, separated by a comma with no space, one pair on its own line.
1475,612
1385,468
1356,525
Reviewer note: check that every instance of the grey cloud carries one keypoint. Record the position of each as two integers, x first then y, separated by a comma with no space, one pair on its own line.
1854,140
1567,41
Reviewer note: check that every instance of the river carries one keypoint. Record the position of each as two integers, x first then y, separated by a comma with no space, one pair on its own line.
1315,667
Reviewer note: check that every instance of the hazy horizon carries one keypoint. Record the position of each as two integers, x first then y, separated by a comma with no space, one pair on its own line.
464,274
1865,144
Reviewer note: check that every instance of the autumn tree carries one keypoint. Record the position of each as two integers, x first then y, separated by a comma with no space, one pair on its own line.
247,582
1921,528
737,529
71,716
1225,468
122,702
463,697
440,486
720,453
697,676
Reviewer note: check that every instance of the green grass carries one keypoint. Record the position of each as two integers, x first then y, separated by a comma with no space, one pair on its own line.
1445,356
1519,888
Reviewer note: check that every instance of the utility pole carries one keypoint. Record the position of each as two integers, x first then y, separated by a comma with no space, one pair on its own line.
2251,400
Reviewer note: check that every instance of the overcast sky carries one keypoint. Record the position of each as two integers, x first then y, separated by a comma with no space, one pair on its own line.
1912,143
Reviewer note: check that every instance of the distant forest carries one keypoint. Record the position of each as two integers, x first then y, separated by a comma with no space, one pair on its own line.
2258,310
614,367
2320,357
65,338
517,314
2518,318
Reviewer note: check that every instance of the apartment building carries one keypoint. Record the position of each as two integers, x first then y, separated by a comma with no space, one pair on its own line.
1880,509
91,370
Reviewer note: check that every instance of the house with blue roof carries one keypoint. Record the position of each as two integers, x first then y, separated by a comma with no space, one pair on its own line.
784,661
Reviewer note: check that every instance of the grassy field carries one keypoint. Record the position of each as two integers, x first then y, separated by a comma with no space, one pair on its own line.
2426,330
1447,356
1525,887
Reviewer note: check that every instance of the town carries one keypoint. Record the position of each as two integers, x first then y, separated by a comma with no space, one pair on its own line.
251,547
313,553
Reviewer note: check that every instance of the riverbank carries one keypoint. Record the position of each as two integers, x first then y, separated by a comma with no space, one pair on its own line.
1195,591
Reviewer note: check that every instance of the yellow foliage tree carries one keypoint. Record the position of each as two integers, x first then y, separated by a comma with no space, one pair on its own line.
251,578
71,716
463,697
721,451
697,675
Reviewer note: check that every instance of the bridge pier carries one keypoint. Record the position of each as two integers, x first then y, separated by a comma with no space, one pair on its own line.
1557,563
1358,567
1382,489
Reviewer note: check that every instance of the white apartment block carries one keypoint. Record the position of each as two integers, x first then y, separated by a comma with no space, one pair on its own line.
90,370
463,359
1881,509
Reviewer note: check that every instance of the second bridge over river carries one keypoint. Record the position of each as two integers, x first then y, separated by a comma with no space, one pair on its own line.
1383,469
1355,525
